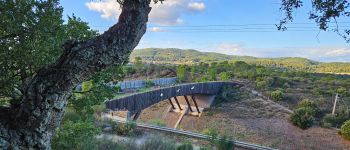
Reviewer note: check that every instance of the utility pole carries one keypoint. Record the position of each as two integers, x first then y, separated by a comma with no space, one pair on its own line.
335,103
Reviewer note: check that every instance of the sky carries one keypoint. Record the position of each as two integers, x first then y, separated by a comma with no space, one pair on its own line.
234,27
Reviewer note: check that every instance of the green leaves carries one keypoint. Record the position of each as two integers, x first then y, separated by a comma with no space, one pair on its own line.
304,115
31,35
345,130
277,95
78,29
180,72
86,86
76,135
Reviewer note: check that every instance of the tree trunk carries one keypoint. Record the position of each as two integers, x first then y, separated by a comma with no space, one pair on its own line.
31,123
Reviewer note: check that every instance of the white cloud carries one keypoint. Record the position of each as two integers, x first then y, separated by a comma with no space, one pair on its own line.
319,53
168,13
198,6
338,52
108,8
228,48
156,29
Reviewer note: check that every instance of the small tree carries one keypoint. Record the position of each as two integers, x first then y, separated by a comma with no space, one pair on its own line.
224,76
180,72
138,63
345,130
193,72
212,74
261,85
302,117
305,113
277,95
75,135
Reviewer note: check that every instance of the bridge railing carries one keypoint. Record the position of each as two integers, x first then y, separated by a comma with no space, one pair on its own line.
140,101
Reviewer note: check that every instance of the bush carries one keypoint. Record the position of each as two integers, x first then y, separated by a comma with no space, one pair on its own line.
224,144
212,74
124,128
345,130
328,121
156,143
185,146
261,85
79,135
221,143
149,83
224,76
157,122
104,144
277,95
302,117
335,120
212,135
71,115
305,113
306,103
180,73
117,88
227,94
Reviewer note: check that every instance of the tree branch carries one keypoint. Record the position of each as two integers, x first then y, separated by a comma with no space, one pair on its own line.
45,97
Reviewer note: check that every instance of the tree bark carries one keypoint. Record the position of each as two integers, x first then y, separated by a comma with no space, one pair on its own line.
31,123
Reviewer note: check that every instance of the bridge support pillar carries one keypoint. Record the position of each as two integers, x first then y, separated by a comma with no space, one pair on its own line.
128,115
195,103
137,115
171,103
177,102
188,103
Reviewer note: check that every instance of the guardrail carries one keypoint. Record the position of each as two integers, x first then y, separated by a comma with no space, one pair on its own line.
198,135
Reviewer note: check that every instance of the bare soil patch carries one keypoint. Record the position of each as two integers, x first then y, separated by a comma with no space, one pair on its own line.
259,121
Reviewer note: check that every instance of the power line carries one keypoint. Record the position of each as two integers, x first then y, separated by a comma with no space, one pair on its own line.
232,25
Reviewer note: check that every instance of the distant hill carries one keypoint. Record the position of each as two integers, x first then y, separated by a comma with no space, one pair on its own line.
190,56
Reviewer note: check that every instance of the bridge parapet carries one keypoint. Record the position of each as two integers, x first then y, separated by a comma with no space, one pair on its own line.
140,101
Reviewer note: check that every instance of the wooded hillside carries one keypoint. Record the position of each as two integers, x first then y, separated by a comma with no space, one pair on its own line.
190,56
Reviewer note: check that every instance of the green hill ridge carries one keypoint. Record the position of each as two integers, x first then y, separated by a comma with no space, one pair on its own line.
190,56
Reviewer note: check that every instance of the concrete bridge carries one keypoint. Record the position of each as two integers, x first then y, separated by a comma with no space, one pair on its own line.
134,104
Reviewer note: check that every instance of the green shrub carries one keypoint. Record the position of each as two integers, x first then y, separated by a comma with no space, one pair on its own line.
157,122
180,73
71,115
224,76
76,135
277,95
313,108
337,119
149,83
117,88
104,144
212,74
212,135
123,128
155,143
345,130
261,85
224,144
228,94
185,146
302,117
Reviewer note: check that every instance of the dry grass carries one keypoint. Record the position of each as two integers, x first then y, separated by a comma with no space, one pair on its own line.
259,121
